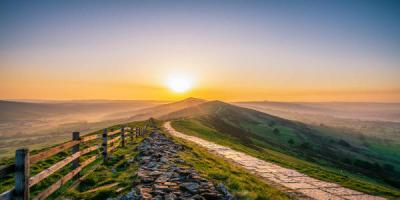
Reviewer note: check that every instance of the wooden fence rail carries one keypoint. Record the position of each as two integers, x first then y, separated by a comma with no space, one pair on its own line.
6,170
43,155
23,181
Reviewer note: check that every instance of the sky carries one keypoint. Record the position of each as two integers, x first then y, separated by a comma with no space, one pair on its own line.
229,50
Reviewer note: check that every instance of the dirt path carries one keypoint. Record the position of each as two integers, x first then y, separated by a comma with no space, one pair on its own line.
291,179
162,174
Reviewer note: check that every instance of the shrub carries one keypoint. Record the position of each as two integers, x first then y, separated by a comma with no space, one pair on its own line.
271,123
388,167
343,143
291,141
305,145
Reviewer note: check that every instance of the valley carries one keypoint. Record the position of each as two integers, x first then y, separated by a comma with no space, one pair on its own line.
200,100
366,163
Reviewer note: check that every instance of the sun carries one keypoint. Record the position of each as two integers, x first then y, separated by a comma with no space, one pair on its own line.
179,82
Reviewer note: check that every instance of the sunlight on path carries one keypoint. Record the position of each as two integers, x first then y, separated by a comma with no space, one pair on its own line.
288,178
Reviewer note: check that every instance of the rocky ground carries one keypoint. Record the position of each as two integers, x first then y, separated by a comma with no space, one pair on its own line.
163,174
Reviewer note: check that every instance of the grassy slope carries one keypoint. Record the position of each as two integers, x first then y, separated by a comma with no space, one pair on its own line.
38,125
118,170
197,128
240,183
104,172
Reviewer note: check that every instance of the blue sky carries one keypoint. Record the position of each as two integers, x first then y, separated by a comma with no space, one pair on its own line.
293,46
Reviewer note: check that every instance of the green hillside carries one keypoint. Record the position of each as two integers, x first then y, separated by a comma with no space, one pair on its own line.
318,152
116,177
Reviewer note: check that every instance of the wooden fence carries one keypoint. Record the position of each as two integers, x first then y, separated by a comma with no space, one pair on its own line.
23,181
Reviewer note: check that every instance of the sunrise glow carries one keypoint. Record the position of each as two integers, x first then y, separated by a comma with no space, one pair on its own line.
179,83
152,50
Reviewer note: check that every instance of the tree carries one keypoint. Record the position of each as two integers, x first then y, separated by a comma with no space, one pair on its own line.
276,131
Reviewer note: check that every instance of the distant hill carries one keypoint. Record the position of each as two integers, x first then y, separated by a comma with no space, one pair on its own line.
40,123
88,110
44,123
325,146
161,110
380,120
348,110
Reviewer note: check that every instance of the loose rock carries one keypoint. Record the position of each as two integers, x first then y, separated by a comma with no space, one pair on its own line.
160,177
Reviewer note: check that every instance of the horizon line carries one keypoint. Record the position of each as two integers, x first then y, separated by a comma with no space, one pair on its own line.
154,100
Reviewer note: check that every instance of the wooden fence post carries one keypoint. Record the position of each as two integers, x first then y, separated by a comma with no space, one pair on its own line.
131,134
75,148
123,136
22,174
136,131
105,145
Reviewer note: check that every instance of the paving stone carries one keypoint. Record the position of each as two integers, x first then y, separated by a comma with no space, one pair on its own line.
266,175
160,178
170,184
274,173
305,179
262,170
318,194
341,191
170,196
363,197
190,186
295,186
292,173
322,184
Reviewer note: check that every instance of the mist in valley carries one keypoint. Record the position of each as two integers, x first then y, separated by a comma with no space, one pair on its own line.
41,123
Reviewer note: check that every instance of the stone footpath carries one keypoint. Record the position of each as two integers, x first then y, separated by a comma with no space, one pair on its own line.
163,175
299,183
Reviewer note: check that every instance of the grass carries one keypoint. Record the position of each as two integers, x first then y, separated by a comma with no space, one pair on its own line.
360,183
119,170
116,170
333,148
240,183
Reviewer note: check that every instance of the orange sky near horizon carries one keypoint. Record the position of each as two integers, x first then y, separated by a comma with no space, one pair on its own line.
230,84
114,90
236,51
